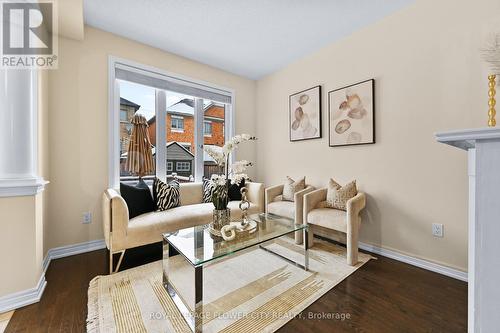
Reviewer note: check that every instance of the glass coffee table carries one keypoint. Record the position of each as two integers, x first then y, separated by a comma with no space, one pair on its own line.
192,248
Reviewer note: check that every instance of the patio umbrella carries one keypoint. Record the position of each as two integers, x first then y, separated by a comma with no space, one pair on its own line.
139,156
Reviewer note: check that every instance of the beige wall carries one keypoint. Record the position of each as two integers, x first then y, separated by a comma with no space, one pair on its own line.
428,78
20,245
78,95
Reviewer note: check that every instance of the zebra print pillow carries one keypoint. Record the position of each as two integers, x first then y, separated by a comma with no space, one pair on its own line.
207,190
166,196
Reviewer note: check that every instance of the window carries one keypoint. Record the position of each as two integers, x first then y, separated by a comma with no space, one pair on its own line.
207,128
133,98
214,122
183,166
123,115
179,112
177,124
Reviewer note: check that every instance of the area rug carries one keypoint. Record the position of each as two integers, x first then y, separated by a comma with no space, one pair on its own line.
253,291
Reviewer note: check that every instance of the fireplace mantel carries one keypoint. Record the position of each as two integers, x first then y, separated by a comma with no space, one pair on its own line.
467,138
483,147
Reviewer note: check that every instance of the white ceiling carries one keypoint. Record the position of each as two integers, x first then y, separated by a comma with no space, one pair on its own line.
251,38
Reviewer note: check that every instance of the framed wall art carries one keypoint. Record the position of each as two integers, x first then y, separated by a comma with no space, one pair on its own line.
351,113
305,114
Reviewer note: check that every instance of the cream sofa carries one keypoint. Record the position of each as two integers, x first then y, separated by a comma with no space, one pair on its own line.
317,216
122,233
291,209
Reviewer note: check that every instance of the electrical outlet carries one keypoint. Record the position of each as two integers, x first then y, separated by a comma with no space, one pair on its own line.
87,218
437,230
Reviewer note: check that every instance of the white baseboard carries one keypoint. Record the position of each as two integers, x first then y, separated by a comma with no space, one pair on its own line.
70,250
29,296
22,298
425,264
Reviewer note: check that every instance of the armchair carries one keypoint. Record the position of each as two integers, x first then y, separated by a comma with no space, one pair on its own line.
316,214
290,209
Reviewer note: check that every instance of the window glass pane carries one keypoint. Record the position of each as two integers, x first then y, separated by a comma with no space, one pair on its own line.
177,123
213,130
134,98
207,128
180,137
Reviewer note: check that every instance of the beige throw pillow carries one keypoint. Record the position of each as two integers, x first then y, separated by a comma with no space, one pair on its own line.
291,187
337,196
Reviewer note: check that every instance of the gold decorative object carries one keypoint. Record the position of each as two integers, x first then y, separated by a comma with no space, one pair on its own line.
491,101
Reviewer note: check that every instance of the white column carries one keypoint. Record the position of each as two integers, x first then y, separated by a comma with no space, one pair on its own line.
471,299
18,132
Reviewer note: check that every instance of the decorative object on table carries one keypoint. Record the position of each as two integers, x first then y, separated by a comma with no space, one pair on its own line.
166,196
234,174
291,187
490,52
139,155
351,113
305,114
236,230
244,205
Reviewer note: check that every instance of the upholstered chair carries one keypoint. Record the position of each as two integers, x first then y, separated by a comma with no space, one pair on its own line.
275,204
317,215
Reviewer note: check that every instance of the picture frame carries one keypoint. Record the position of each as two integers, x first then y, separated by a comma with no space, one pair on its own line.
304,114
351,114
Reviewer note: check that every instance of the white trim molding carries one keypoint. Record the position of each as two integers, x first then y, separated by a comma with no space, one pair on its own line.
21,187
421,263
71,250
22,298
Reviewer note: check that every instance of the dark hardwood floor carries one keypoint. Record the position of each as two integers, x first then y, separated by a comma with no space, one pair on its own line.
383,296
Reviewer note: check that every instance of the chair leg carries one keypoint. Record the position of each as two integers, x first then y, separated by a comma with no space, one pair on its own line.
110,262
352,248
310,236
122,254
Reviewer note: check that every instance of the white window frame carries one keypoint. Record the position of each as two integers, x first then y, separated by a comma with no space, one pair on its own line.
171,164
177,130
123,120
205,122
182,169
114,120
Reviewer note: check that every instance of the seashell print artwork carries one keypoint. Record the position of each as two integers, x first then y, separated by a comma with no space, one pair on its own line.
305,114
342,126
351,114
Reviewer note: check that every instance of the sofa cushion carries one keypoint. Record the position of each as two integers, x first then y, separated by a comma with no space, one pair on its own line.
234,191
138,198
207,190
282,208
191,193
329,218
166,196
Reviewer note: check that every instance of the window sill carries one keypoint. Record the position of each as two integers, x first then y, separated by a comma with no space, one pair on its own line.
177,131
21,187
